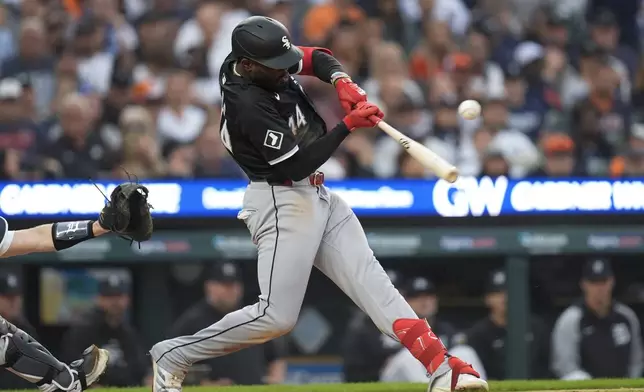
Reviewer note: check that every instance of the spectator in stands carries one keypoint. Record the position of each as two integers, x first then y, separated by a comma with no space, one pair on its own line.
634,163
95,63
524,115
487,76
67,81
509,151
213,161
410,57
628,163
260,364
529,60
207,34
33,59
626,13
72,148
597,337
488,336
18,132
118,96
11,309
107,326
57,22
154,54
141,154
494,163
435,45
180,121
558,157
7,41
556,32
613,112
119,34
604,30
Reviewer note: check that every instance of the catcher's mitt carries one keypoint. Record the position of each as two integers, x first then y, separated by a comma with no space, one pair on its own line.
128,212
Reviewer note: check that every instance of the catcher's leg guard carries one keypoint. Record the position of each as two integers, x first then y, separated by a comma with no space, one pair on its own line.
25,359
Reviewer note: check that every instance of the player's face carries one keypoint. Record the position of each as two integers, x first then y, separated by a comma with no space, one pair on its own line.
225,296
496,302
425,306
10,306
268,78
114,306
598,294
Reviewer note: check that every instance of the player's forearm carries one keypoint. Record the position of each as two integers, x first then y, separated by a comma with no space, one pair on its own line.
319,62
52,237
310,158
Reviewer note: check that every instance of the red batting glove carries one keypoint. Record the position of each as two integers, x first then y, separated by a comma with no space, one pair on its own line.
349,93
365,115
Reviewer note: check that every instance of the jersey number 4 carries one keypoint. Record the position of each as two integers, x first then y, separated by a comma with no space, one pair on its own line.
298,122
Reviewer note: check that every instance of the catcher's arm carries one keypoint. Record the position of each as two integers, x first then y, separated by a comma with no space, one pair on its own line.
46,238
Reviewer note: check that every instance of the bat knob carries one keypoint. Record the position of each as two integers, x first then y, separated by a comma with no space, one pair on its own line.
452,176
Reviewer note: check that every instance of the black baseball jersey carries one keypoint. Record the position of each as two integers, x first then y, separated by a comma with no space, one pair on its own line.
489,341
261,128
602,347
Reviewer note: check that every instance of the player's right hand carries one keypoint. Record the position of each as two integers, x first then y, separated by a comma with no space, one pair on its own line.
364,115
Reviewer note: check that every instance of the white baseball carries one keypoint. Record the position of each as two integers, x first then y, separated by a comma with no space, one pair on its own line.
469,109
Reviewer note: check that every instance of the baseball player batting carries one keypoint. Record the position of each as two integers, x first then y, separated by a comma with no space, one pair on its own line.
272,130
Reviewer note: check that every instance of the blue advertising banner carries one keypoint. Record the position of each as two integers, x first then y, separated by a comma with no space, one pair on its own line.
369,198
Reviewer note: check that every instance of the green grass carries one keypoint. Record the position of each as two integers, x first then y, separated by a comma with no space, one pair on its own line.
502,386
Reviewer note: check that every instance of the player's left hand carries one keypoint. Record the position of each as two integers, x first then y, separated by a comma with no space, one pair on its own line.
364,115
349,93
128,212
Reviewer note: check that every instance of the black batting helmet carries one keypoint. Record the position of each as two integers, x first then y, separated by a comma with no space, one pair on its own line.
265,41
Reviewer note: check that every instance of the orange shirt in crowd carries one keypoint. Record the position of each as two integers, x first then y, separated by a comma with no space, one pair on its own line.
73,8
320,19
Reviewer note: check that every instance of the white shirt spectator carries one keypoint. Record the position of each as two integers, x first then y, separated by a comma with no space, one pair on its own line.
517,148
97,71
182,128
190,35
492,83
452,11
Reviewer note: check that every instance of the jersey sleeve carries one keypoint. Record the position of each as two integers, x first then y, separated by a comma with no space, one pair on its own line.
636,362
565,340
6,236
268,132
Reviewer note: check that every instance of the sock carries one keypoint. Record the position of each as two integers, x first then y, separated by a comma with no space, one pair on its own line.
420,340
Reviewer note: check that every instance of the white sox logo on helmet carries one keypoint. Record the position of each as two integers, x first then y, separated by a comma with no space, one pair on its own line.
286,42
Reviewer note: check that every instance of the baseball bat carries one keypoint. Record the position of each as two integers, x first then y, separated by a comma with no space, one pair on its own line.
422,154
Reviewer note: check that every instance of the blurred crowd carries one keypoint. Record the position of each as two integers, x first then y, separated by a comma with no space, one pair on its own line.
95,88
